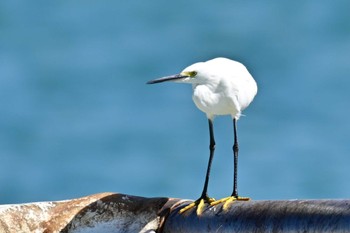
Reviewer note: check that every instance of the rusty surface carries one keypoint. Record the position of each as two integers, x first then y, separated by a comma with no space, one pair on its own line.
105,212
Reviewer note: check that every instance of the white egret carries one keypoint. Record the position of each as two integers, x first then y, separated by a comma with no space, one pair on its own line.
220,87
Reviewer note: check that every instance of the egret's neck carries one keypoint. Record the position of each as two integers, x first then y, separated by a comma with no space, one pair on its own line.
211,84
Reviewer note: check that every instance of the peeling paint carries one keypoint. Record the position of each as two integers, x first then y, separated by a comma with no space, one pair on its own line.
105,212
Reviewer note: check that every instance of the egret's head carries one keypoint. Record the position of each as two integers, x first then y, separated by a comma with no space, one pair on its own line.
188,75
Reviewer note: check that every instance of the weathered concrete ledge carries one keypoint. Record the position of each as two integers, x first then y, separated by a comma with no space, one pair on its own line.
110,212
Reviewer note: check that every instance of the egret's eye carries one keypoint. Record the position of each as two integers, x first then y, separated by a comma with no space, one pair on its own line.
191,74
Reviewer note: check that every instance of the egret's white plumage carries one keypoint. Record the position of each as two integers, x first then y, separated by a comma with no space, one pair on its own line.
220,87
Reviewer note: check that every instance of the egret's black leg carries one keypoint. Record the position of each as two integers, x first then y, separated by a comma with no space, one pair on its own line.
200,203
234,196
235,158
211,156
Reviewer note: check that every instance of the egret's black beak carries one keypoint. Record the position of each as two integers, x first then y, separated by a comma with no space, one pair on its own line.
168,78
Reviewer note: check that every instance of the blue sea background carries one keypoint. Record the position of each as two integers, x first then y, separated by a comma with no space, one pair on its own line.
76,117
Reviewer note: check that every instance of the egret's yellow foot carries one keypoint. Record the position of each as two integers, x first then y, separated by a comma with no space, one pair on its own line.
200,203
228,200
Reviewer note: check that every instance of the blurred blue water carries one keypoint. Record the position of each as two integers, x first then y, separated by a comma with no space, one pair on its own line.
77,118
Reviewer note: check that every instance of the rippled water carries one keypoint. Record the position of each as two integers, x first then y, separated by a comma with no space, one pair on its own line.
77,118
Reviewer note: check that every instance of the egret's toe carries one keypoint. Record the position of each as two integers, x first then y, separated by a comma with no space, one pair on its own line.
228,200
200,204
